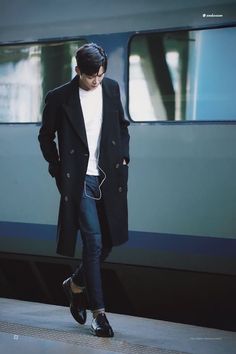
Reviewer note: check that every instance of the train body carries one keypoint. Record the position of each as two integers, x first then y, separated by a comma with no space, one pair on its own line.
182,174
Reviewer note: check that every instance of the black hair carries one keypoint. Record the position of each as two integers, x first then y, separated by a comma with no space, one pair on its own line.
90,57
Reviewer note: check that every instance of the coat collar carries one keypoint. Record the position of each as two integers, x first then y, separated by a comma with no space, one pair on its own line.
73,108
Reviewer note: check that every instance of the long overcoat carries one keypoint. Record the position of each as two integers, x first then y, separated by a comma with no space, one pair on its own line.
64,145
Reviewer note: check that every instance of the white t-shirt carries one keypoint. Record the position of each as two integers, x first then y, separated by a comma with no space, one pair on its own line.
91,103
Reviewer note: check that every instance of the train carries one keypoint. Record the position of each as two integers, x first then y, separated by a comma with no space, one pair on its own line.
175,64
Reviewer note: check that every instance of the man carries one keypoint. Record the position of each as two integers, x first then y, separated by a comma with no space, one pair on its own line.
90,166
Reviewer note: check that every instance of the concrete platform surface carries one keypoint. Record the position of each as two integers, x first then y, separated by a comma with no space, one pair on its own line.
27,327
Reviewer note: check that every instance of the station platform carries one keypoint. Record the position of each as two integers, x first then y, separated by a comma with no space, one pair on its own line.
29,327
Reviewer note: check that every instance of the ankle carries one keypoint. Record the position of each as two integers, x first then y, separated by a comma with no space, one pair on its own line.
75,288
97,312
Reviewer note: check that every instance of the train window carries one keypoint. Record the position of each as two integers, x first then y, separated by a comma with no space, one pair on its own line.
28,72
182,76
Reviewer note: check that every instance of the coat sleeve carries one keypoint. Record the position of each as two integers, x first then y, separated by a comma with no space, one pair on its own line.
124,123
47,134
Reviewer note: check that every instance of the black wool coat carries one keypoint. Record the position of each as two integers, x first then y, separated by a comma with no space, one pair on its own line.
68,159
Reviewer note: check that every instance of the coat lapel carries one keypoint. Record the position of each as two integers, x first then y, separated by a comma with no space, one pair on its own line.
106,96
74,111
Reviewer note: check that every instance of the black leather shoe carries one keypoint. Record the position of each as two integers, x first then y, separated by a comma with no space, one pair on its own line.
77,302
100,326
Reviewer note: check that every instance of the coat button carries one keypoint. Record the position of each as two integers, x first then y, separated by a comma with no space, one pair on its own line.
120,189
117,165
113,142
68,175
72,151
86,154
66,198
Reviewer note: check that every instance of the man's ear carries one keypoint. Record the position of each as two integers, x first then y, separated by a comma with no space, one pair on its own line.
78,72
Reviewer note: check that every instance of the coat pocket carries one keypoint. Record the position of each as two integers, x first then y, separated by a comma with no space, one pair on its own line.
54,170
125,175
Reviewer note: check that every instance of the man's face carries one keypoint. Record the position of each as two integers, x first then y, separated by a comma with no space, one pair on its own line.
90,82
